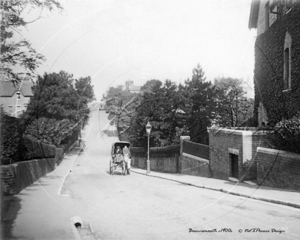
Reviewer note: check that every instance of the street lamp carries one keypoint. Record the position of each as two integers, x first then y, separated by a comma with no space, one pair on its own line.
148,129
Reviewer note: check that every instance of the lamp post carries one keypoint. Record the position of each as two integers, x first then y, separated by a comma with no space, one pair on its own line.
148,129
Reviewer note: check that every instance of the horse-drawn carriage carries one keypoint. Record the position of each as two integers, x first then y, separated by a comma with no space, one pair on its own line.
120,157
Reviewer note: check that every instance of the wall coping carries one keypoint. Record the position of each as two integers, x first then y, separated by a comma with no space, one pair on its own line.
247,132
279,152
195,158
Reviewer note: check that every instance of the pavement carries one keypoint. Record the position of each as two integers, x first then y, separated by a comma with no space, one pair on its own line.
243,189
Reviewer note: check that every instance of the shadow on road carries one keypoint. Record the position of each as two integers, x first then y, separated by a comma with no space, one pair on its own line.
110,133
10,206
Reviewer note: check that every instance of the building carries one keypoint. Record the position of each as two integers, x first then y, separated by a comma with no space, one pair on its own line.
14,98
277,61
129,86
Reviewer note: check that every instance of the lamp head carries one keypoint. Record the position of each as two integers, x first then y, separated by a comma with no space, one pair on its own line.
148,128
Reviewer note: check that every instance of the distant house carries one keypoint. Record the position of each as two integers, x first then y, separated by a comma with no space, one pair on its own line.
131,88
277,62
14,98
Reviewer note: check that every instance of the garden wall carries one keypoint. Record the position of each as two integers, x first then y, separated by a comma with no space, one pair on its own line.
279,169
164,159
15,177
194,158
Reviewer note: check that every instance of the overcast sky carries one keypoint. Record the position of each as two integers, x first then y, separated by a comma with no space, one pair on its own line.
139,40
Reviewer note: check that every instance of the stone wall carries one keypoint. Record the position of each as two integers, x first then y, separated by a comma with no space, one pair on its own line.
225,144
278,168
15,177
18,176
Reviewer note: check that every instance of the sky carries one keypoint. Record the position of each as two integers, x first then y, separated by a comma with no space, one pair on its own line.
113,41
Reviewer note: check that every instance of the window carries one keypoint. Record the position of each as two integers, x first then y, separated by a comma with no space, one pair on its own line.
18,95
287,69
10,109
267,17
287,80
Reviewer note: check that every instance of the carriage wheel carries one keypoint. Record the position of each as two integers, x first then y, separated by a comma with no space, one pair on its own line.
111,169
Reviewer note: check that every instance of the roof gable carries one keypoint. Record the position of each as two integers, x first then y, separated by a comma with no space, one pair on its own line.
8,89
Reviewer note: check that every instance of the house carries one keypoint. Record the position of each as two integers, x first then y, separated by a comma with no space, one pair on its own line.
14,98
131,88
277,61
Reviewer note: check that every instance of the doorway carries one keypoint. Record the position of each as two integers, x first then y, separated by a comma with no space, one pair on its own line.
234,160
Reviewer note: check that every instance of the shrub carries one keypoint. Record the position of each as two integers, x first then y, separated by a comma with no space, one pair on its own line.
11,145
286,135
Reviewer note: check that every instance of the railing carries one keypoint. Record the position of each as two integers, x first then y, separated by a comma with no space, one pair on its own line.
196,149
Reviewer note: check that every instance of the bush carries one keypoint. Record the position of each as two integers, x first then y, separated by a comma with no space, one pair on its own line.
37,150
286,135
11,146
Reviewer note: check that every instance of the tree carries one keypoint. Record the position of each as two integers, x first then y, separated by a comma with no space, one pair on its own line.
159,107
199,96
57,106
234,109
19,57
148,85
85,90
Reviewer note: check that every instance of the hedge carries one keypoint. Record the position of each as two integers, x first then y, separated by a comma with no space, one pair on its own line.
37,149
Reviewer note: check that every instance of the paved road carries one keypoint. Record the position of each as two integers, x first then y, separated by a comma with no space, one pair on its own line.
140,207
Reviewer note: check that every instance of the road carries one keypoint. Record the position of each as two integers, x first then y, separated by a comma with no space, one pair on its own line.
138,206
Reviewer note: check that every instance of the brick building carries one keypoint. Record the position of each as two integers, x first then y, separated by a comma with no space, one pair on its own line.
277,49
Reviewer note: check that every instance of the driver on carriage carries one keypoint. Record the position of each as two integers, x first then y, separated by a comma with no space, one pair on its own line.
119,154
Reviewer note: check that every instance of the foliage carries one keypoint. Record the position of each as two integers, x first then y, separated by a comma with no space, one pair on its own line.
85,90
37,149
157,107
121,106
11,139
148,85
286,134
50,130
56,97
57,108
199,97
233,108
18,56
269,68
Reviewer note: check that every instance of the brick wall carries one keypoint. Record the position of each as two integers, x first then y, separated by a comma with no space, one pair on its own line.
193,165
278,168
164,164
227,142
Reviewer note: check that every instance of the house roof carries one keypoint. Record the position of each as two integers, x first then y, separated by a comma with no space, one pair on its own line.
8,89
253,14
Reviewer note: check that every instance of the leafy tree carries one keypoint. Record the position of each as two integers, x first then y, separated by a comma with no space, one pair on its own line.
148,85
18,56
57,106
159,107
234,109
85,90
